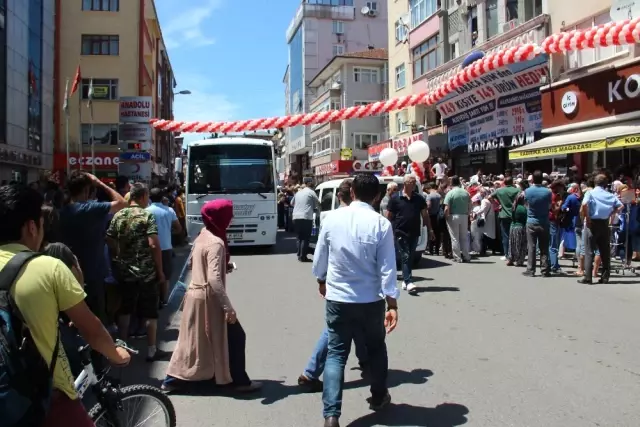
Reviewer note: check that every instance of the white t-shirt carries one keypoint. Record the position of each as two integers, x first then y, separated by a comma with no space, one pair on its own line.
440,169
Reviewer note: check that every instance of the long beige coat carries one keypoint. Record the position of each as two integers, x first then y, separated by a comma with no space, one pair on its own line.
202,351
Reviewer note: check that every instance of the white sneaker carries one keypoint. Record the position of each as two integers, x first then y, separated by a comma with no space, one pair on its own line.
404,286
504,258
411,288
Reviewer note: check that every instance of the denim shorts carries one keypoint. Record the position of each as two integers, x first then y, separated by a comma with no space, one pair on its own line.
580,244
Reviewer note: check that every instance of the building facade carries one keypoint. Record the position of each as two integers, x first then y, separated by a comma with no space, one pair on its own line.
589,108
118,46
484,120
320,30
348,80
26,89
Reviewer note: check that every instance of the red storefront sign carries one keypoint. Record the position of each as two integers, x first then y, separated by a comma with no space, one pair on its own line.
374,151
402,144
342,167
102,161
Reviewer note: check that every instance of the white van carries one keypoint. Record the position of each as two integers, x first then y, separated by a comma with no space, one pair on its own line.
327,192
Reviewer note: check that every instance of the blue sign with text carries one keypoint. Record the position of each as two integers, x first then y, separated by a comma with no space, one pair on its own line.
135,156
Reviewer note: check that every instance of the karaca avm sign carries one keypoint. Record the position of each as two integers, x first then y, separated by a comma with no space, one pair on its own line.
503,142
583,147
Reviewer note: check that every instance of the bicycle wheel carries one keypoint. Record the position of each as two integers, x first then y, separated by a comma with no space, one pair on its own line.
142,405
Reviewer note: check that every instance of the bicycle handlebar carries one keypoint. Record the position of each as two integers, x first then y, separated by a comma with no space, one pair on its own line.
122,344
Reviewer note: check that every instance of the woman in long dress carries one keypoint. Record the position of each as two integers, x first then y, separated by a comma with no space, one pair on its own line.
211,341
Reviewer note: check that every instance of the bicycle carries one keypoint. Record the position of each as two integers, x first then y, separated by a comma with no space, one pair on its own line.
110,408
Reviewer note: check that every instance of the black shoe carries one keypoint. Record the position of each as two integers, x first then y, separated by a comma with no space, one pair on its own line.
604,279
379,403
310,386
585,281
331,422
529,273
546,274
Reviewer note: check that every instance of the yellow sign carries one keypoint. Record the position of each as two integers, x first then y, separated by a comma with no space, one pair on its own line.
346,153
582,147
100,91
625,142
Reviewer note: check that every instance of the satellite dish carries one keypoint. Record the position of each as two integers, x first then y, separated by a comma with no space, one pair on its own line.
365,10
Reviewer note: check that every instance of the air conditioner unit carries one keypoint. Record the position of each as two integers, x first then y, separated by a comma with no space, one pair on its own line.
372,13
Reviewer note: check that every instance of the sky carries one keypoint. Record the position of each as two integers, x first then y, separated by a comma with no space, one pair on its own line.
231,55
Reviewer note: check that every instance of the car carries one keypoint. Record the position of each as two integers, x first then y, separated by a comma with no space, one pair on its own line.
327,193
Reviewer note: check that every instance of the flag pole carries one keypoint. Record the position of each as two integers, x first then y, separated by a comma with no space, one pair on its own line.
66,124
90,105
80,160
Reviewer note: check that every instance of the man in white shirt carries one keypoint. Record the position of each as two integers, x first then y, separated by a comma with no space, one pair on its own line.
305,203
440,171
355,264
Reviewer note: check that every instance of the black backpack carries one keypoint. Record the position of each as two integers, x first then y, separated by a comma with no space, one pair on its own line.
25,377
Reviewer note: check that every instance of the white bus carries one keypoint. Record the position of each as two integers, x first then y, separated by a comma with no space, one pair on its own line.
244,170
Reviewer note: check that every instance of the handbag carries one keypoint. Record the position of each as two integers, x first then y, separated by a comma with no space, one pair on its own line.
480,222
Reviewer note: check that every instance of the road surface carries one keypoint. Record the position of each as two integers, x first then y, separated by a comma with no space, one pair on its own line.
480,345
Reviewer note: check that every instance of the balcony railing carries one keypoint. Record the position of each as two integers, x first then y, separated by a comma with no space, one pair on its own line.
319,11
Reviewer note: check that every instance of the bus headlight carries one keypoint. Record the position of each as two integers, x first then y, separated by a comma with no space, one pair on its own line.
262,218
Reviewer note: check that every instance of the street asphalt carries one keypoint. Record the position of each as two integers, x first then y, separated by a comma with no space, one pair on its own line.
480,345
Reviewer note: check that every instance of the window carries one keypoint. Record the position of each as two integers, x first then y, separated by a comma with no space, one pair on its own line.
365,75
361,103
421,10
426,57
100,45
401,31
372,5
103,89
400,77
401,122
325,143
338,49
338,27
530,9
103,134
492,18
582,58
472,22
335,105
101,5
362,141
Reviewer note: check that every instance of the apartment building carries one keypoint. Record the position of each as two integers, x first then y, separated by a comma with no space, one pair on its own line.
414,50
319,31
118,47
351,79
481,123
590,117
26,89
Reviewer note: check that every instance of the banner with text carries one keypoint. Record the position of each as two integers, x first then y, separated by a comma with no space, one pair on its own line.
503,102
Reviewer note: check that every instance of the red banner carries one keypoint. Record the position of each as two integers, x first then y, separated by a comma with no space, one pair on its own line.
374,151
402,144
102,161
347,167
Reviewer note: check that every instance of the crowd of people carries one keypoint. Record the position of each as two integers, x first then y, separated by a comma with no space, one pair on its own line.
94,260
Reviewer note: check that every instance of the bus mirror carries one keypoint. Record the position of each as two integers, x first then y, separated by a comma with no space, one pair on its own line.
279,165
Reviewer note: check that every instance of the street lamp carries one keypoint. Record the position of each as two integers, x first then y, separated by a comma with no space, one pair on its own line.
183,92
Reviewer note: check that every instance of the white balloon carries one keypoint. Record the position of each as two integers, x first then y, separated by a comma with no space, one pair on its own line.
388,157
418,151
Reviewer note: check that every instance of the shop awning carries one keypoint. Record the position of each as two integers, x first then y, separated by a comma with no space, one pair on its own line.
594,139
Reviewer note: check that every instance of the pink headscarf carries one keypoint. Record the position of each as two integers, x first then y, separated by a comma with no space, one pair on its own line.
217,216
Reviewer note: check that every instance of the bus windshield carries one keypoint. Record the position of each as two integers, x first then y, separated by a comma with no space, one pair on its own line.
231,169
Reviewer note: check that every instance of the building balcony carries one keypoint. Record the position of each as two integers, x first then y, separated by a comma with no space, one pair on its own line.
326,127
319,11
333,94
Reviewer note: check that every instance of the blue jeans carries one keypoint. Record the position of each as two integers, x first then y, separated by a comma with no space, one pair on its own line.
555,234
406,247
344,321
315,366
505,227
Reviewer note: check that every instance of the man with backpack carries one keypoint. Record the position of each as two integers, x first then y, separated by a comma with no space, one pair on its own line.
35,376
